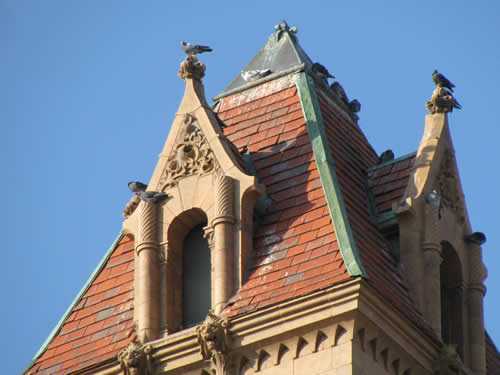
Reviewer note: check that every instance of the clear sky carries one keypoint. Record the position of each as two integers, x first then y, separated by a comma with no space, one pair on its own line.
90,88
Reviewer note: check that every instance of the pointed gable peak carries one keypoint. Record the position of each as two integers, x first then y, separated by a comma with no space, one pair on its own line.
281,54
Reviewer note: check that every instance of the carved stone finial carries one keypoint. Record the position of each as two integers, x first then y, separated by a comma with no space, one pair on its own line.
192,68
214,339
283,27
442,101
136,359
131,206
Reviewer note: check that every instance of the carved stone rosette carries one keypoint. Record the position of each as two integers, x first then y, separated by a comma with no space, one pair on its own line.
441,101
191,68
191,156
136,359
214,339
448,187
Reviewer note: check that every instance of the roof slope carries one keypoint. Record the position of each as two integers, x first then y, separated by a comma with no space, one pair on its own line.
99,323
492,356
296,249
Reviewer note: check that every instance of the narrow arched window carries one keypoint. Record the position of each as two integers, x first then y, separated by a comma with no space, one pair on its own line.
196,278
451,299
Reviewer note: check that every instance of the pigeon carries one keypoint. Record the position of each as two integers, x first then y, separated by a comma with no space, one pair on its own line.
386,156
152,196
137,186
253,75
194,49
441,81
139,189
321,71
354,106
339,91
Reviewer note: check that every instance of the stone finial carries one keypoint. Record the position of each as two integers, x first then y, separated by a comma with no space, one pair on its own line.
191,68
136,359
283,27
442,101
214,339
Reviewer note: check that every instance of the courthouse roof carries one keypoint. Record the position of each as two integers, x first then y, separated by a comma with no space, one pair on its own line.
326,190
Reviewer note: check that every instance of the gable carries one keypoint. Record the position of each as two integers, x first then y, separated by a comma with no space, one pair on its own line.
99,323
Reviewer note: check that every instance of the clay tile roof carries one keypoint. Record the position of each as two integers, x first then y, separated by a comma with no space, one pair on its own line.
492,357
293,140
99,322
388,181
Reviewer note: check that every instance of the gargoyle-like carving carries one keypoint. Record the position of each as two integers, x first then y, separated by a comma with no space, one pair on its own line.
131,206
213,337
442,101
136,359
448,187
191,156
192,68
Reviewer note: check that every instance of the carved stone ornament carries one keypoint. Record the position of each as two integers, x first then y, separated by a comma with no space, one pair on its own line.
192,68
131,206
448,187
441,101
191,156
283,27
214,339
136,359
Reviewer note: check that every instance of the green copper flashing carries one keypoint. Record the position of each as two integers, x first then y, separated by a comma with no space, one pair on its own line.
326,169
77,299
407,156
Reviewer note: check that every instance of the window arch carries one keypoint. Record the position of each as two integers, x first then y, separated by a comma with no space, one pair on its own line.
188,271
452,298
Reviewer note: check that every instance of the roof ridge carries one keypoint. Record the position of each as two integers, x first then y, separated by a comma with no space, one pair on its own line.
326,169
77,299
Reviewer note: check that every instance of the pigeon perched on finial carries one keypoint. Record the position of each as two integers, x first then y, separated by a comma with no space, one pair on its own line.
441,81
321,71
254,75
139,189
194,49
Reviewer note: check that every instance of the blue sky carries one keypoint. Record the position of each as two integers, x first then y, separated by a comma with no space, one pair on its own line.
90,89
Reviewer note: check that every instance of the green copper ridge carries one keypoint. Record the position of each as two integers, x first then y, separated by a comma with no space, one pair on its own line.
326,169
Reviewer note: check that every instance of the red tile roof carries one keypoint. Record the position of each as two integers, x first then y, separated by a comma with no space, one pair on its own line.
389,180
492,357
100,324
296,250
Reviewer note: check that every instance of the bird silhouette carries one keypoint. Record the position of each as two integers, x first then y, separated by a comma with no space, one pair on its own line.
441,81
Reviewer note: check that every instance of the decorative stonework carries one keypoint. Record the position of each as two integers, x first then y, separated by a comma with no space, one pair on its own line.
283,27
441,101
214,339
191,68
131,206
191,156
451,196
136,359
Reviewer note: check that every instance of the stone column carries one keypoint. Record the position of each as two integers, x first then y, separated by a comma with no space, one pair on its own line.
147,293
223,241
432,268
475,293
209,236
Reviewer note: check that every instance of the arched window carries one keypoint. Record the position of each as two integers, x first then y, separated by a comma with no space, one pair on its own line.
451,298
188,286
196,278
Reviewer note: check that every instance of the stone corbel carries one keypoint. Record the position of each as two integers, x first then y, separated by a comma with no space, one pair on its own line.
136,359
214,340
